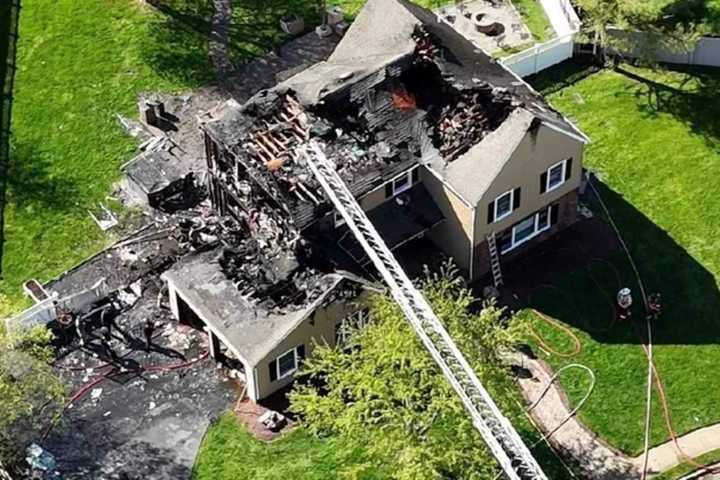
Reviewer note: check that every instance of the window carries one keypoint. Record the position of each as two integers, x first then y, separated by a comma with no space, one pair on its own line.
348,325
402,182
556,175
338,219
524,230
528,228
504,205
287,363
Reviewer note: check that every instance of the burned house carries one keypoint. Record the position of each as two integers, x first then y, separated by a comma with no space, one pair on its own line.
431,135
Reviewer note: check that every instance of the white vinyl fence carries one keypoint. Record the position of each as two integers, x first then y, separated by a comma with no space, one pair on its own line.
566,24
48,310
640,44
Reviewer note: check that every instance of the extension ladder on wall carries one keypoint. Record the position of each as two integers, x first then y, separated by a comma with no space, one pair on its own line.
494,260
500,436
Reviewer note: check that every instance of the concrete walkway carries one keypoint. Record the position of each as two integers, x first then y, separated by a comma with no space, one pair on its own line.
597,460
693,444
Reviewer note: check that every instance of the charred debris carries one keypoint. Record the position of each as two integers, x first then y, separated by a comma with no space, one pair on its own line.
407,111
374,126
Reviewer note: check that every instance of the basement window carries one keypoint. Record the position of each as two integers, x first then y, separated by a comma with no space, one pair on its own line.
287,363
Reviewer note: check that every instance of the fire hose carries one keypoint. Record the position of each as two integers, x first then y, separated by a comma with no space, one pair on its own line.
652,369
574,411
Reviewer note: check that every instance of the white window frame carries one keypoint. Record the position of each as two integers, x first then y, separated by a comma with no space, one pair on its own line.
563,165
338,219
359,318
495,206
405,175
536,217
289,372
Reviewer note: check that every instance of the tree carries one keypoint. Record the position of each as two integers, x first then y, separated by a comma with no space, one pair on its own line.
384,393
661,30
30,394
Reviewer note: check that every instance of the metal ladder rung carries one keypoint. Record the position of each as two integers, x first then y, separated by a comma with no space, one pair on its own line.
502,439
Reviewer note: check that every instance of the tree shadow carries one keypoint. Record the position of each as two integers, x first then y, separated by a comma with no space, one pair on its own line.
563,75
9,22
179,39
689,13
577,274
694,100
30,183
255,27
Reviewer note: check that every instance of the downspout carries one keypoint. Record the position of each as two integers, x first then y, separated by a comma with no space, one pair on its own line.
472,243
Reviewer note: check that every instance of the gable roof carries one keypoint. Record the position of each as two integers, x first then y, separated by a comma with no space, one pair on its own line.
249,329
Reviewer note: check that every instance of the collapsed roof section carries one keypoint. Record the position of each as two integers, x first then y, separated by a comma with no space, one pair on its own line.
401,88
251,328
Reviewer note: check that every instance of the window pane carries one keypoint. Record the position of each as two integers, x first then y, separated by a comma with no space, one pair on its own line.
543,219
506,240
525,229
286,363
555,177
503,205
402,183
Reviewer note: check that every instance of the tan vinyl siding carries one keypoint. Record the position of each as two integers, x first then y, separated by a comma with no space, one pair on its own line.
453,235
537,152
318,328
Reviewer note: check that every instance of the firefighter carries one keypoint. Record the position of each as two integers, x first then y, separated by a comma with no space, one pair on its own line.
624,301
148,330
654,305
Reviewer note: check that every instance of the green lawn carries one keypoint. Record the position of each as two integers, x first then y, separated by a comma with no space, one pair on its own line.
687,468
656,146
79,63
535,19
228,452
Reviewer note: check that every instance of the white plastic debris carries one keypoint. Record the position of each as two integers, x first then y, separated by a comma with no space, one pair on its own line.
39,458
96,392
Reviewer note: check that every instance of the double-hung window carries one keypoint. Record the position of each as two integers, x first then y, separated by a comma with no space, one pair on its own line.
528,228
287,363
556,175
350,324
504,205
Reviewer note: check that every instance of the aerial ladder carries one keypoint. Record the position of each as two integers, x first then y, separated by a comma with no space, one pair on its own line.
504,442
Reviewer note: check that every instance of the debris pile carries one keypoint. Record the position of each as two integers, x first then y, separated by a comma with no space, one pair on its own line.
468,117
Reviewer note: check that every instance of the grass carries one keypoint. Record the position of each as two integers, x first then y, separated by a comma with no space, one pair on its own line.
687,468
656,146
230,452
79,63
535,19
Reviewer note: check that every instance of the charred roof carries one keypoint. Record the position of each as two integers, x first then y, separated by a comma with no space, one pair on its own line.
402,88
